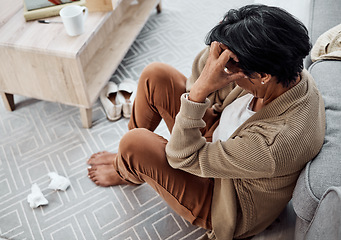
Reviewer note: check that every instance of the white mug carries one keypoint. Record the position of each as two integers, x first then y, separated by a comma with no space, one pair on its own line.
73,18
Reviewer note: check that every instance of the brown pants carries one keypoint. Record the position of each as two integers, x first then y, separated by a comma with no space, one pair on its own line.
141,155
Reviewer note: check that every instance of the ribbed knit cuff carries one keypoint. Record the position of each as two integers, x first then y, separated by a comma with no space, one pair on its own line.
193,110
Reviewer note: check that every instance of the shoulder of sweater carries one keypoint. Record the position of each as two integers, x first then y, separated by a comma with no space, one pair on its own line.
296,103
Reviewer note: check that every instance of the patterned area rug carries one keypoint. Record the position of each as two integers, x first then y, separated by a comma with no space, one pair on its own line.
41,137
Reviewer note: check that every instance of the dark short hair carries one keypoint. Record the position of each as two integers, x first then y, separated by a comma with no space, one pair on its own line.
265,39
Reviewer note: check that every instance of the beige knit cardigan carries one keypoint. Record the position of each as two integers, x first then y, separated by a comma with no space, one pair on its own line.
328,45
256,169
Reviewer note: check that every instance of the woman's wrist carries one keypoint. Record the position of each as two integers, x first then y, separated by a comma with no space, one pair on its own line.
196,98
197,94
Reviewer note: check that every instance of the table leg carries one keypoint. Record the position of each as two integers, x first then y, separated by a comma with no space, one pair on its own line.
86,117
159,7
8,100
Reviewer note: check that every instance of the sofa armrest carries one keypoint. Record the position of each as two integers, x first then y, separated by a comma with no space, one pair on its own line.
326,223
325,168
323,171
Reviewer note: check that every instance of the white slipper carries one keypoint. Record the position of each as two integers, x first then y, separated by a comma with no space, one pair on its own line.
113,107
126,95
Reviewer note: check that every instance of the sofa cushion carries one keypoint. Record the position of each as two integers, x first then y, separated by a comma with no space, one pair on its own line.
323,171
325,14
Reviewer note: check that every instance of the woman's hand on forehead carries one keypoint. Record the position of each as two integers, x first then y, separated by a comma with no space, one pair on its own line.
224,48
215,74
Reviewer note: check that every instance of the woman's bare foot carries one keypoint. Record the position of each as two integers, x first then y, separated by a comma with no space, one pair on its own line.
105,176
102,158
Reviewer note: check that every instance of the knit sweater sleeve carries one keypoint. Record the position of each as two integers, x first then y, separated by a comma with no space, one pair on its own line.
246,155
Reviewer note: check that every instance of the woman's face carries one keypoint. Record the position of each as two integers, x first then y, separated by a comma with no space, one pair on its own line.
252,85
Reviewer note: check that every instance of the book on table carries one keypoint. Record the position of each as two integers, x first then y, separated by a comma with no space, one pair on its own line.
38,9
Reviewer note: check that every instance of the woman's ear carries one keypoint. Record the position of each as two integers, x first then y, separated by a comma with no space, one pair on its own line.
262,78
265,78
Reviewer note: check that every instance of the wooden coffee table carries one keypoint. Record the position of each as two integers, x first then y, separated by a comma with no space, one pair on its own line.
41,61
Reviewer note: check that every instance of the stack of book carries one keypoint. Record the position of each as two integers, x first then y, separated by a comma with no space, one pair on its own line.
38,9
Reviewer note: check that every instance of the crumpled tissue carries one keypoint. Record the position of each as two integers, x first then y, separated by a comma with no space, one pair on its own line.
36,198
58,182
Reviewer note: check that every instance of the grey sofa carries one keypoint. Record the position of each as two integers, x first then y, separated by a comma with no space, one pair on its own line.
317,196
314,213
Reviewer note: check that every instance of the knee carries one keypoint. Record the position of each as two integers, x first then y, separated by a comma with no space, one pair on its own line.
156,68
140,145
133,141
155,73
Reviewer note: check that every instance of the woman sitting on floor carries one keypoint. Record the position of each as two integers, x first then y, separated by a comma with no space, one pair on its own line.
242,126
